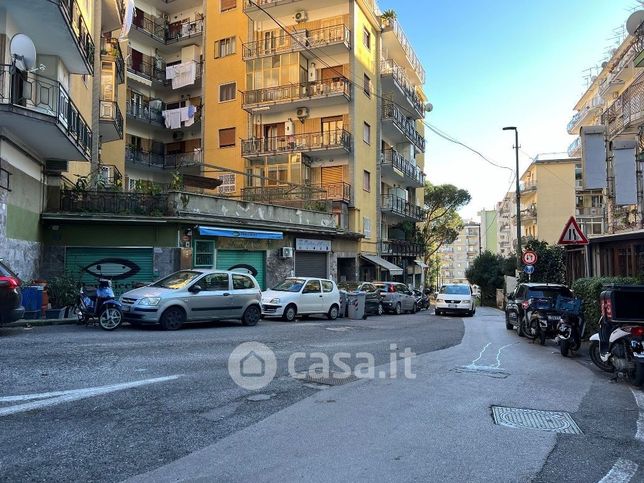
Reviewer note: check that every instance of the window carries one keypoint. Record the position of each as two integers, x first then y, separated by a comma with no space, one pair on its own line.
4,178
204,254
228,183
225,47
366,227
367,85
366,180
312,286
327,286
215,281
366,38
228,5
242,282
227,92
366,133
227,137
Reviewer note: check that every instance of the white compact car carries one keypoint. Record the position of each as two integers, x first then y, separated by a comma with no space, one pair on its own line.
301,296
456,298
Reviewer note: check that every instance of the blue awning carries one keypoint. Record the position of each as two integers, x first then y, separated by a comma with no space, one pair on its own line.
232,233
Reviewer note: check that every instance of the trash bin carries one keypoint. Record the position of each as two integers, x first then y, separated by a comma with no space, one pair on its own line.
32,297
343,304
356,303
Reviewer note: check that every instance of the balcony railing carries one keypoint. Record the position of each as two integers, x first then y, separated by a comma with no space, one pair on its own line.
339,191
528,186
297,41
397,161
298,92
574,148
144,113
161,31
114,202
162,161
188,30
402,248
389,67
399,206
111,112
149,68
35,93
393,25
76,23
407,126
627,111
315,141
111,51
306,197
248,5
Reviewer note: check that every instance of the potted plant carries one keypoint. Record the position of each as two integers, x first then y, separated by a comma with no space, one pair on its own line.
388,16
63,292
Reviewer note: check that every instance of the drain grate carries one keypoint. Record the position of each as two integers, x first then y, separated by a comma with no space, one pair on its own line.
327,380
489,371
551,421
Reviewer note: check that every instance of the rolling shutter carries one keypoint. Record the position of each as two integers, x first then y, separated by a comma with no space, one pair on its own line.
243,261
332,175
309,264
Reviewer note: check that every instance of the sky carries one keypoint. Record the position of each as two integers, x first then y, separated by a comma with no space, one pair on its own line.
499,63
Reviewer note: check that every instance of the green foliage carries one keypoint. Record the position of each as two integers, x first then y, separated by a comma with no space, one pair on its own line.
487,272
551,263
589,289
389,14
177,181
62,291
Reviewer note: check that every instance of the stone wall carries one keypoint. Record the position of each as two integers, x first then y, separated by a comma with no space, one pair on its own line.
277,268
166,261
22,256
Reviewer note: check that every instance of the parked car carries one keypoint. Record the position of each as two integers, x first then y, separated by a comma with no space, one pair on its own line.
456,298
396,297
194,296
519,302
11,308
373,301
302,296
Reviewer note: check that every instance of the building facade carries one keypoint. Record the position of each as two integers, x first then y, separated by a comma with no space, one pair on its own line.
457,257
489,231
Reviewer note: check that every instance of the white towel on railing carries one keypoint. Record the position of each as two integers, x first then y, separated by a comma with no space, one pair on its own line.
170,72
172,118
184,74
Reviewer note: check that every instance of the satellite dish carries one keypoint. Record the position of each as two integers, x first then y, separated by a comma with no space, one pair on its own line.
429,107
23,52
604,64
634,22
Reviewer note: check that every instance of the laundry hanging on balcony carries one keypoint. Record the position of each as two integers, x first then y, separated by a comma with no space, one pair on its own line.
175,117
181,75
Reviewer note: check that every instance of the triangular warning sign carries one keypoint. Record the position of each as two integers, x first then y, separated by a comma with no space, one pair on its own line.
572,234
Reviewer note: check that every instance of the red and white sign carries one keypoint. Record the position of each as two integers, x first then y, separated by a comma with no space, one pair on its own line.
529,257
572,234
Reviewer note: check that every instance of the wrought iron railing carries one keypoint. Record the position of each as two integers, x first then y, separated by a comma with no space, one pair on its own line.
389,67
149,67
339,191
160,30
399,206
297,92
143,112
316,141
114,203
407,126
47,97
627,110
112,49
189,29
110,111
297,196
402,248
393,158
76,23
162,161
393,25
250,5
296,41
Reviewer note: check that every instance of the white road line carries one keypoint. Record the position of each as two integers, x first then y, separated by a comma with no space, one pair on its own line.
621,472
59,397
473,363
639,399
498,355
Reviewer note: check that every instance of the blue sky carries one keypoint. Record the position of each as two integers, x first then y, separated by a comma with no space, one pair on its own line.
503,63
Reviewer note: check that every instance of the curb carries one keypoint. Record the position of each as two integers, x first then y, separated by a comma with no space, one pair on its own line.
41,322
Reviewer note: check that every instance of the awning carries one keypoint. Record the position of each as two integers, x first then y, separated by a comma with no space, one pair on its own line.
233,233
421,264
390,267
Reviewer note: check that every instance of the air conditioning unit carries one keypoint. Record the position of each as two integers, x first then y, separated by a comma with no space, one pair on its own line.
302,113
301,16
286,252
289,128
177,135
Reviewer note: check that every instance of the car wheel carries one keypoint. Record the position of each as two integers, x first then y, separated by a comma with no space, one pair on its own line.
437,312
289,313
564,347
333,312
398,309
414,308
381,309
251,316
173,318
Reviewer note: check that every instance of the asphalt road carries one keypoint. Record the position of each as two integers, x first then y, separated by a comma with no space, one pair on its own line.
182,417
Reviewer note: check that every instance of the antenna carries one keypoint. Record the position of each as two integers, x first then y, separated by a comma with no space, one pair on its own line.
23,52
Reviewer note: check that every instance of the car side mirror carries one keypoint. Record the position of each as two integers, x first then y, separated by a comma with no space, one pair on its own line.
195,289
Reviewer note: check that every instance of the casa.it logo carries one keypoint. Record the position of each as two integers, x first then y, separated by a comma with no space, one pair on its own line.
113,268
252,365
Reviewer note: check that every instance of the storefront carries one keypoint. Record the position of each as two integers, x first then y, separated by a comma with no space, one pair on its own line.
252,262
312,257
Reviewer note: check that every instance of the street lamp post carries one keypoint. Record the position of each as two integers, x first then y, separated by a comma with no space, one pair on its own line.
518,192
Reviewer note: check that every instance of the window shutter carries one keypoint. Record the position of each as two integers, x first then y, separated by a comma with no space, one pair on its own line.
226,137
332,174
228,5
216,49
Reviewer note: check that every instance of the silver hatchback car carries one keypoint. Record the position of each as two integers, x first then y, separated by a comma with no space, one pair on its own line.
194,296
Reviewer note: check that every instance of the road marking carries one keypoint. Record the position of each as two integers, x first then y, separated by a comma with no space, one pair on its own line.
473,363
498,355
59,397
639,399
621,472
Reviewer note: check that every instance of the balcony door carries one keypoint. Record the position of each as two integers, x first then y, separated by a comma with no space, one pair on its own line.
332,130
273,135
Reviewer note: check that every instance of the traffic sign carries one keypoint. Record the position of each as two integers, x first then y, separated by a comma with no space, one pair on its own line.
572,234
529,269
529,257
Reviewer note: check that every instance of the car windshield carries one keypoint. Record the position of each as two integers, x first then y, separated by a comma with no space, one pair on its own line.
178,280
349,286
548,292
4,271
290,285
455,290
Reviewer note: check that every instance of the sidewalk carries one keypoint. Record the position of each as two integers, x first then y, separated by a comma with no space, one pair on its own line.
436,427
41,322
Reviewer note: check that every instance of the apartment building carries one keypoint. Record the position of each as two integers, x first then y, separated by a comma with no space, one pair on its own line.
457,257
489,231
506,225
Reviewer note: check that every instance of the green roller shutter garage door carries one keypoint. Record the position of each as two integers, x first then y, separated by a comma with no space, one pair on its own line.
126,267
241,261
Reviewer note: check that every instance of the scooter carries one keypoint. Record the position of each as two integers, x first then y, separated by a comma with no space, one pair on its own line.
422,300
572,326
542,320
102,307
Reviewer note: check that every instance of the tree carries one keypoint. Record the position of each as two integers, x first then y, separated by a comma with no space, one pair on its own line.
551,263
442,223
487,272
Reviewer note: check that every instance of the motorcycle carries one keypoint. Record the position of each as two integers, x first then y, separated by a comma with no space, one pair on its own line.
572,325
101,307
542,320
619,344
422,300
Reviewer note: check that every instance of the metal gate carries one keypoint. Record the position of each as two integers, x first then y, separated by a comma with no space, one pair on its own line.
244,261
309,264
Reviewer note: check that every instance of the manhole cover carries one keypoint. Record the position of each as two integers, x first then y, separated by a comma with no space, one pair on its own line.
552,421
330,380
489,371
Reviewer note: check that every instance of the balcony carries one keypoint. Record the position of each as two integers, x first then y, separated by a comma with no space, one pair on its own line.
528,186
110,121
401,248
114,203
41,113
395,80
145,113
111,52
339,191
149,68
112,12
586,212
57,27
529,214
317,94
400,128
324,142
593,108
335,40
396,168
626,114
401,208
399,48
574,150
140,157
167,34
